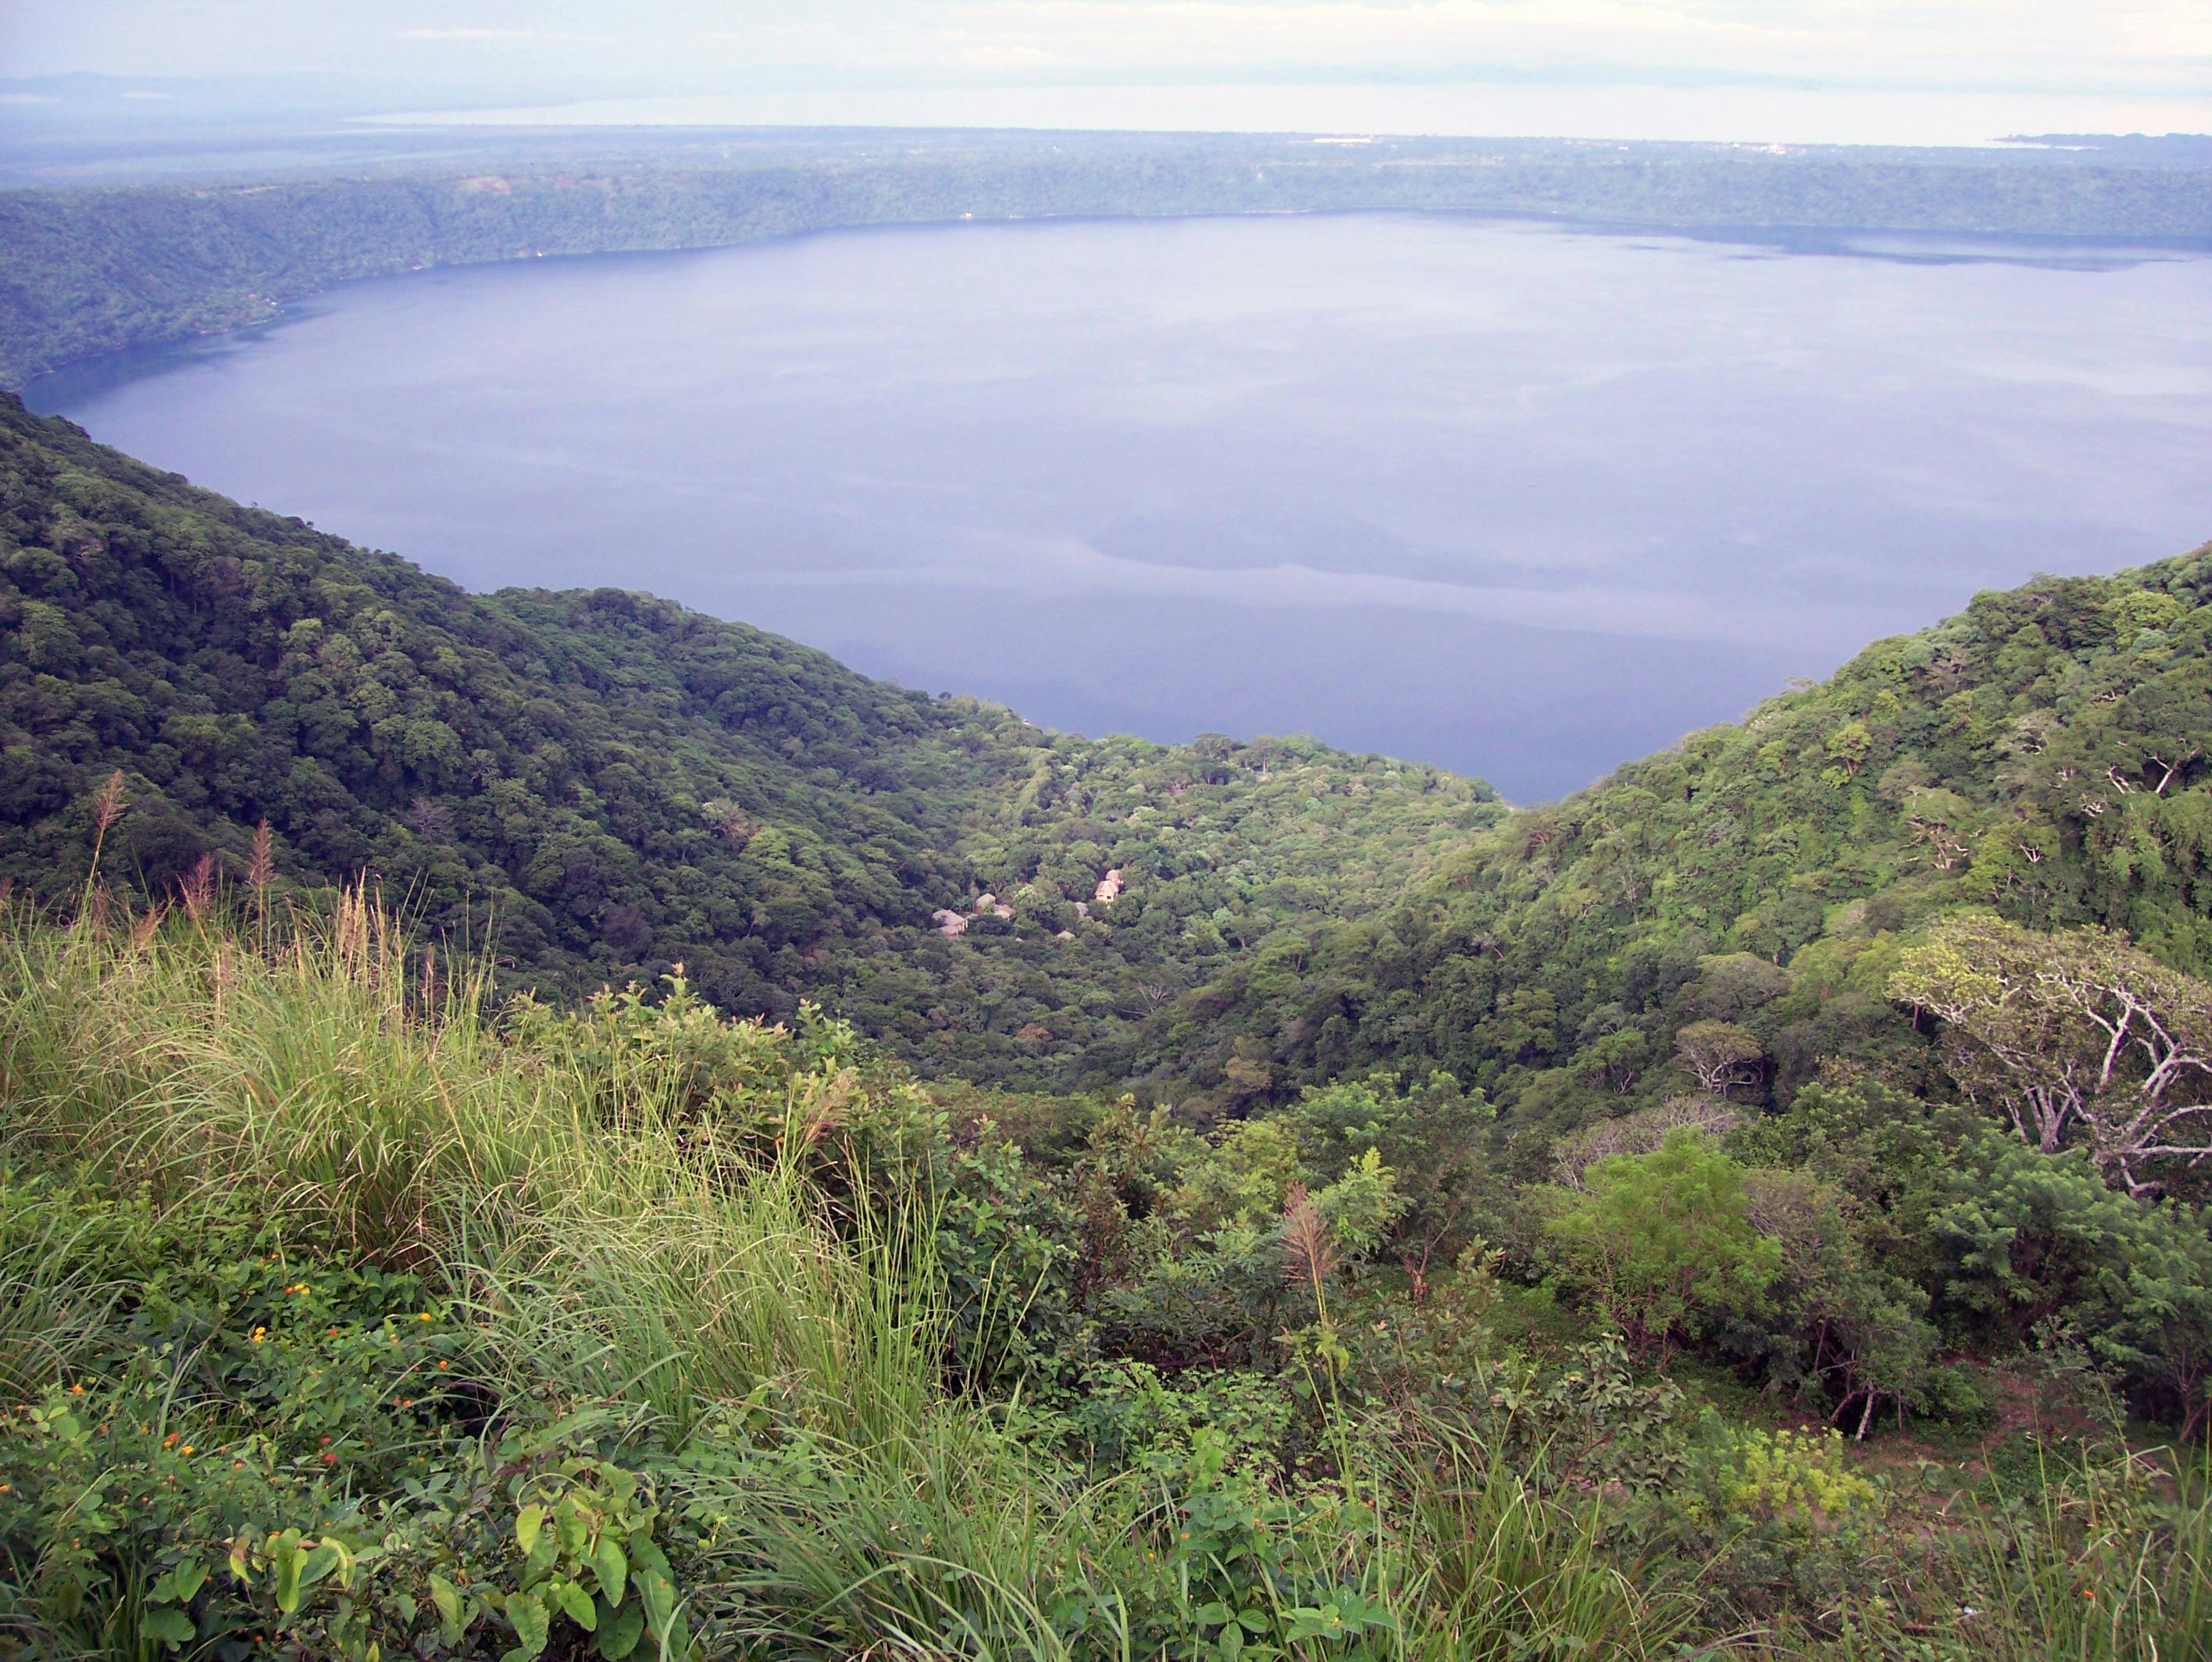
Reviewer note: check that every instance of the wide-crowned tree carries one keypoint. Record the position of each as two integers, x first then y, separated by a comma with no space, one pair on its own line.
2081,1040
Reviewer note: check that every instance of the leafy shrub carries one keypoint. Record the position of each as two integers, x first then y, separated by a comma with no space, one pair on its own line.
1960,1396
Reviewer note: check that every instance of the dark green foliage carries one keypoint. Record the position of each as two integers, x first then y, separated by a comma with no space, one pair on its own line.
629,1321
2044,754
621,784
1467,1114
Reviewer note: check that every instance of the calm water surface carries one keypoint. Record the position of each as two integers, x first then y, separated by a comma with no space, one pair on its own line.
1521,501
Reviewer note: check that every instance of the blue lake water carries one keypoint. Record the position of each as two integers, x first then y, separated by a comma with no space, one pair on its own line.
1522,501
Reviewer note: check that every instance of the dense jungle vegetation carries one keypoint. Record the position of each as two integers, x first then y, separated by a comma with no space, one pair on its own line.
349,1316
621,786
2043,755
1076,1199
216,254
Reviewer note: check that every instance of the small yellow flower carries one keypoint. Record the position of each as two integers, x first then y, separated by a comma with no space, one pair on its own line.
425,1316
77,1389
187,1449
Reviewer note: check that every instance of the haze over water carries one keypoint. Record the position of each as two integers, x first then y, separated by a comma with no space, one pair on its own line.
1521,501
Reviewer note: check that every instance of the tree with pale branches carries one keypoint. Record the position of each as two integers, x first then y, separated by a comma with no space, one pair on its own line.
2079,1039
1720,1056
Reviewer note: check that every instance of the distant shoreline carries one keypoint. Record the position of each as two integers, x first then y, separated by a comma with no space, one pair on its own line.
212,255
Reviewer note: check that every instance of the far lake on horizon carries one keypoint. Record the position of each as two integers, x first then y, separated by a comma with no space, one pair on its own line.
1520,500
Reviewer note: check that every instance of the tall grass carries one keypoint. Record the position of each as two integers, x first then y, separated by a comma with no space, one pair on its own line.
609,1243
2108,1562
1501,1562
329,1082
56,1292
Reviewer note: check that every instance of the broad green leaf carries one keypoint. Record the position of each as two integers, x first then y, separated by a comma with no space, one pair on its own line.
658,1594
318,1563
532,1626
527,1522
578,1603
169,1627
287,1557
612,1567
447,1598
619,1634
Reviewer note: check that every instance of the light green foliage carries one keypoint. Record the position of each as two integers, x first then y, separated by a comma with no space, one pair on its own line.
1429,1131
1661,1243
2081,1039
1798,1478
1220,1252
1782,1517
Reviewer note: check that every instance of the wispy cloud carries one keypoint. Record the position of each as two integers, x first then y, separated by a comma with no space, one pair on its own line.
2141,46
468,34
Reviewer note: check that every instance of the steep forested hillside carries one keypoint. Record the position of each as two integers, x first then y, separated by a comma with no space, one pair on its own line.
1762,1204
2044,754
621,784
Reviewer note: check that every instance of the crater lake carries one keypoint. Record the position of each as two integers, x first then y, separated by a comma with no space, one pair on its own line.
1521,499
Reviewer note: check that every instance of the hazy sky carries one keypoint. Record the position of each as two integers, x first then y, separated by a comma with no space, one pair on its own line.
2101,46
